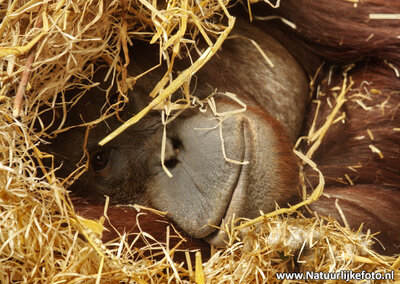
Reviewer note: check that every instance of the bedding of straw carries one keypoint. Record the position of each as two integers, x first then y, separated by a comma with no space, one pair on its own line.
46,47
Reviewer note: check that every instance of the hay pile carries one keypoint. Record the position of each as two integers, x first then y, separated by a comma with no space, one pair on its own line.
47,47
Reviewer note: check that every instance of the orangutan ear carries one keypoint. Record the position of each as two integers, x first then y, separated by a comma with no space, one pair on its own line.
377,208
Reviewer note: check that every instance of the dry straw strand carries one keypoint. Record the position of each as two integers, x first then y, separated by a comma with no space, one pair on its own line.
41,237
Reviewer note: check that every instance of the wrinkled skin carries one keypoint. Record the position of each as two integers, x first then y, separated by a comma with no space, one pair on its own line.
205,188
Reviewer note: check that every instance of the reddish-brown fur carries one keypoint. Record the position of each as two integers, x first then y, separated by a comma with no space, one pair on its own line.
344,144
338,31
126,219
376,207
346,151
342,32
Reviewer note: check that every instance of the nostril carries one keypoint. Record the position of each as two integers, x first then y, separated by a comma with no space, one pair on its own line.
170,164
176,144
172,150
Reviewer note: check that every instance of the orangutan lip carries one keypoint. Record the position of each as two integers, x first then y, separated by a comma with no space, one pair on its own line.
219,237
